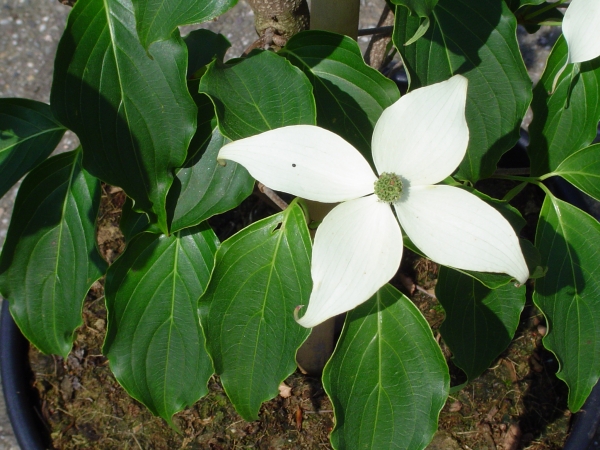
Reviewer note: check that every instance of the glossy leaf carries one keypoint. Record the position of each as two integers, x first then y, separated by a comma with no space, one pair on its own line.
261,274
475,38
421,8
258,93
387,379
154,341
50,259
480,322
207,188
157,19
133,114
566,120
350,95
568,295
28,134
582,169
516,4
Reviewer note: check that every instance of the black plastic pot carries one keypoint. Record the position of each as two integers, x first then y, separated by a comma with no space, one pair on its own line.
22,402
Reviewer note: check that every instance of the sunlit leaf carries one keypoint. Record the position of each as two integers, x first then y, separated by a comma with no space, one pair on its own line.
154,341
387,379
50,259
261,274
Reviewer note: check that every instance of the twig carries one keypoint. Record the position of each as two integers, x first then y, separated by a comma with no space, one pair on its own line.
272,196
515,171
376,30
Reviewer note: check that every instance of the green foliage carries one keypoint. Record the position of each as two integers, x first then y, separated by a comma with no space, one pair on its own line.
28,134
133,115
582,169
52,233
566,120
258,93
568,295
377,367
155,284
261,274
492,316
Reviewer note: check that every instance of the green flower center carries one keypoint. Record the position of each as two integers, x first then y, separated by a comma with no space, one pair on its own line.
388,187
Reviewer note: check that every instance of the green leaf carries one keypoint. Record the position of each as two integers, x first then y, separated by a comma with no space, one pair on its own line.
582,169
387,378
28,134
516,4
204,46
50,259
475,38
154,341
350,95
133,114
206,188
132,222
261,274
567,120
421,8
480,322
258,93
568,295
157,19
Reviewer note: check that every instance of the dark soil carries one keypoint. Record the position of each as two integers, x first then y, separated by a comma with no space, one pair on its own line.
516,404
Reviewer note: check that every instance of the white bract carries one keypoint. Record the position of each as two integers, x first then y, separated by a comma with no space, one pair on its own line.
417,142
581,28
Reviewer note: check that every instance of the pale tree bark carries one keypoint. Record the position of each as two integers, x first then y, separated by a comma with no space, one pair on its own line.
377,49
278,20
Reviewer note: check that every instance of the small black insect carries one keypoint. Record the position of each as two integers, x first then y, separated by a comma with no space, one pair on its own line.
293,165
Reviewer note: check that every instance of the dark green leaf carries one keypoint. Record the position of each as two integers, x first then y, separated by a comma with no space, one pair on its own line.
582,169
421,8
350,95
567,120
480,322
261,274
258,93
568,295
475,38
387,379
49,259
206,188
28,134
132,222
133,114
154,341
203,46
158,19
516,4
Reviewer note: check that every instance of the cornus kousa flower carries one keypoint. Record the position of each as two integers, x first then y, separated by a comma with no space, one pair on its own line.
417,142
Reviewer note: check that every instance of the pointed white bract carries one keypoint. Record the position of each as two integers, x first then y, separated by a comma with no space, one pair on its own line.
358,248
421,138
581,28
306,161
455,228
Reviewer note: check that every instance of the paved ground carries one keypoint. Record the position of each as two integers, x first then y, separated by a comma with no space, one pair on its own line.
29,34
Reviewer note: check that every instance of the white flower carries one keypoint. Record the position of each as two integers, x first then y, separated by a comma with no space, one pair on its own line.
581,28
421,139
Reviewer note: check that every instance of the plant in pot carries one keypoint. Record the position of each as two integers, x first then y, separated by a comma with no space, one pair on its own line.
185,133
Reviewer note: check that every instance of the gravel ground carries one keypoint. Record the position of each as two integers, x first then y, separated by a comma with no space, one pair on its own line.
29,33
